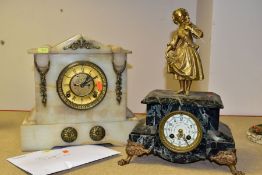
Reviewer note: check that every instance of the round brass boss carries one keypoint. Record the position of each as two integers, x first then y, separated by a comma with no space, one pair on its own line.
69,134
97,133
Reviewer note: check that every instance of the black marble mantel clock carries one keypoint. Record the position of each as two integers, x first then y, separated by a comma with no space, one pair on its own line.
183,126
183,129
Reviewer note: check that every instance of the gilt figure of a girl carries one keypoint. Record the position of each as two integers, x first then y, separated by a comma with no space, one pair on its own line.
182,55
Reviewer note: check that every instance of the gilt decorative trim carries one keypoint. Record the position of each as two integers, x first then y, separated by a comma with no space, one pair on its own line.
81,43
118,89
133,149
69,134
42,72
97,133
227,158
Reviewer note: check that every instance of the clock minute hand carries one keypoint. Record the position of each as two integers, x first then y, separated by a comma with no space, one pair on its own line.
184,138
91,79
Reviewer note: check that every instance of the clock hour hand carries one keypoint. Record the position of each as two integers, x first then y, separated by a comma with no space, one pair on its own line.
87,80
182,135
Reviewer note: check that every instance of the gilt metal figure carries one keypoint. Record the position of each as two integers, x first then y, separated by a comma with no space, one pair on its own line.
182,55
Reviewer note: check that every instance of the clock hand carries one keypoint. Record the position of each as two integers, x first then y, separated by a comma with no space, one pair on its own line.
91,79
87,80
180,134
184,138
81,82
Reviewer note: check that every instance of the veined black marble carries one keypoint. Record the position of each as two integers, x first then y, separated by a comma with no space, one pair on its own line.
204,105
211,144
206,99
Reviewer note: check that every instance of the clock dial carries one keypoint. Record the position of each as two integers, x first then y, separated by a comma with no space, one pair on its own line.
82,85
180,131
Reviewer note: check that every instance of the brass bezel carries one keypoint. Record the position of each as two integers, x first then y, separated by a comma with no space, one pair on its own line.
79,106
176,148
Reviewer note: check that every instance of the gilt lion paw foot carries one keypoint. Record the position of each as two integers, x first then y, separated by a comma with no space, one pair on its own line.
123,162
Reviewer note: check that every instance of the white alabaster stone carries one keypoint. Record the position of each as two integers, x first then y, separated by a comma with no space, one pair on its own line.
42,60
40,137
42,128
57,112
119,61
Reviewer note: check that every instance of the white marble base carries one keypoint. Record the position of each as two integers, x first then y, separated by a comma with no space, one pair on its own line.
41,137
254,137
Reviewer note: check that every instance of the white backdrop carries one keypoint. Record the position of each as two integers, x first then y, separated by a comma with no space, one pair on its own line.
236,61
143,26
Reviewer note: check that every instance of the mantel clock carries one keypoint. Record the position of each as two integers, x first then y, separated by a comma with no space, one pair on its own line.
183,126
81,96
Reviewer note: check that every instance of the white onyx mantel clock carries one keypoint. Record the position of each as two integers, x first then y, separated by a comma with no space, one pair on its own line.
81,96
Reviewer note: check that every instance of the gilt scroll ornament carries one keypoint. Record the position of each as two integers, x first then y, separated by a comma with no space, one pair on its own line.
81,43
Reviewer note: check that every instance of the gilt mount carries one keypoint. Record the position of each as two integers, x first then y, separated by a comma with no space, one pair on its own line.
81,43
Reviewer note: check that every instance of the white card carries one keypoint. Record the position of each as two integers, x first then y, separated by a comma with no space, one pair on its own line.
51,161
